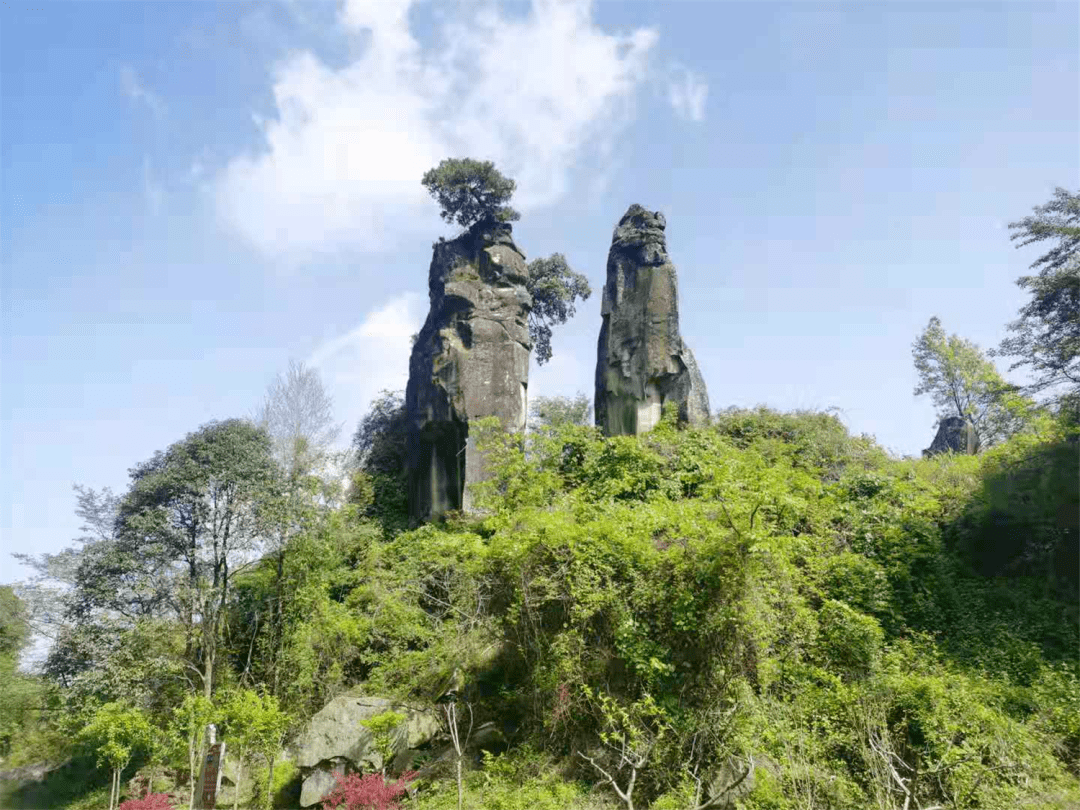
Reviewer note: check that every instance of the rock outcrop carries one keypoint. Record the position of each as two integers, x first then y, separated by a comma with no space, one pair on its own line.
954,435
335,742
642,362
470,360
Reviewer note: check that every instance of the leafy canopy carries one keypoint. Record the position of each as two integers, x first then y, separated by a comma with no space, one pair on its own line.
1046,336
555,288
962,382
470,191
553,412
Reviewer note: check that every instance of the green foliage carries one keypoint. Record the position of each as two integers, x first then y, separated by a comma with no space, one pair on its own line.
471,191
554,288
1046,336
316,648
554,412
384,727
116,733
21,696
282,790
962,382
525,779
194,511
187,728
380,447
253,724
14,627
849,643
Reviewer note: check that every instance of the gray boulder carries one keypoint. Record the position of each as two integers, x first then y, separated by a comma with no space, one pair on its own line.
735,778
954,435
470,360
642,361
335,742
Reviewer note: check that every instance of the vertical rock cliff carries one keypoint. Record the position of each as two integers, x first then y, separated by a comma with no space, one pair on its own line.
470,360
642,362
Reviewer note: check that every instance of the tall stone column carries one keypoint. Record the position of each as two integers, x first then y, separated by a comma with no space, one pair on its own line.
642,362
470,360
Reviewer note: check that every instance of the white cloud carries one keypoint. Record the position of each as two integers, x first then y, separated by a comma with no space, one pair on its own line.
343,155
135,89
372,357
687,93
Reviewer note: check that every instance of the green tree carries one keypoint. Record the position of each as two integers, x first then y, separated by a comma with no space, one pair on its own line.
557,411
91,577
384,728
962,382
380,449
189,722
19,694
117,732
297,415
1046,336
379,440
253,723
269,724
555,288
471,191
195,509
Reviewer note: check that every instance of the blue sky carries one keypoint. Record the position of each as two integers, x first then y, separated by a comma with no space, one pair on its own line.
194,193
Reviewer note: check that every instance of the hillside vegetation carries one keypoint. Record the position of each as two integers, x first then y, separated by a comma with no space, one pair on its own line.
767,604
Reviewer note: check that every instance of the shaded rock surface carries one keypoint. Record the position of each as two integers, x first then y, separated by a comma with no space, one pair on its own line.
954,435
470,360
336,743
735,779
642,362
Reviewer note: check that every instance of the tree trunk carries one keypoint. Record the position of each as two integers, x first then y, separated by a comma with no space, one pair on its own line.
239,779
194,747
270,784
208,670
277,627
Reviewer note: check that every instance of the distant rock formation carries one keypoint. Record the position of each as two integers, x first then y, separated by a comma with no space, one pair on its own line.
470,360
642,362
954,435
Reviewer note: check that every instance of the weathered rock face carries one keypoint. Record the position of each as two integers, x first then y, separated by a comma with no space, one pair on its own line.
471,360
954,435
642,362
335,743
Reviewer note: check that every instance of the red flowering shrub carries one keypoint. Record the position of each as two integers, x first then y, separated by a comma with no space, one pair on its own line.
369,792
155,801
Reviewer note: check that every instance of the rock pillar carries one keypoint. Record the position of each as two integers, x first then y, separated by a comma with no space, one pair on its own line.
642,362
470,360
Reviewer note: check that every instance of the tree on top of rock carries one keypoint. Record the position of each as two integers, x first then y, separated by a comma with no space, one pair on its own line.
470,191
